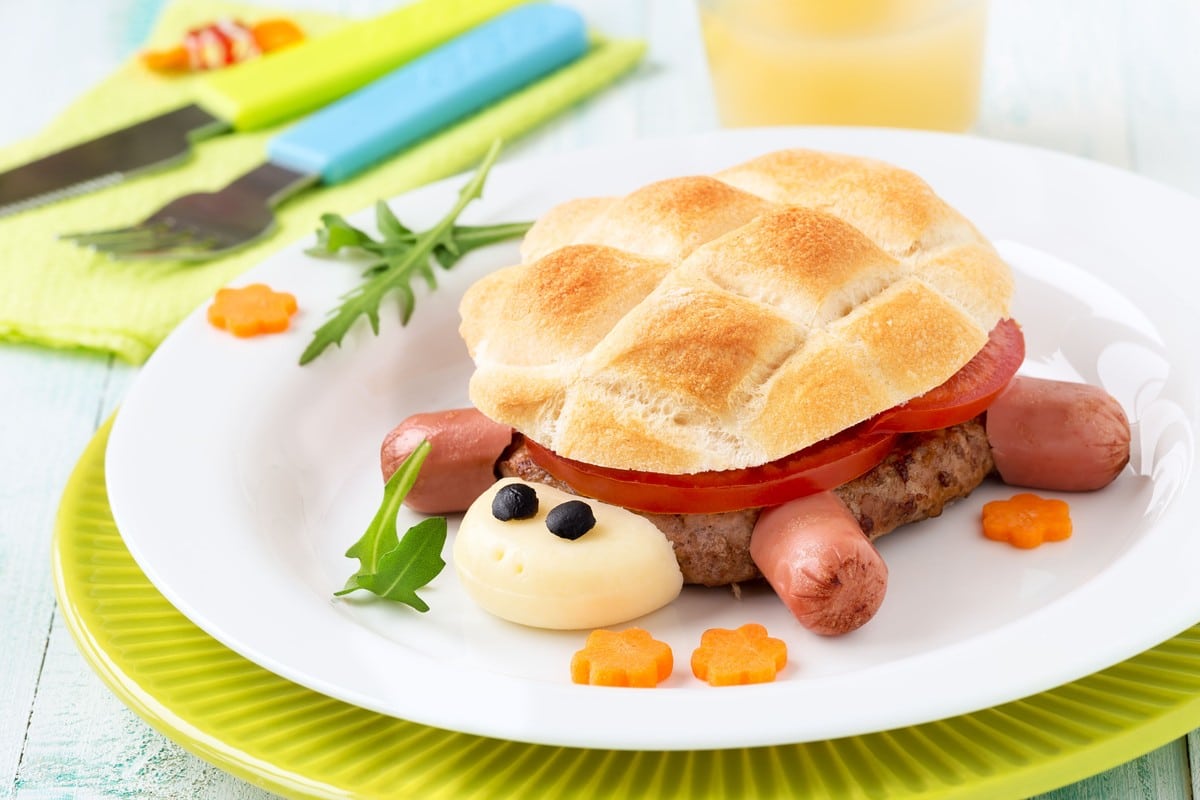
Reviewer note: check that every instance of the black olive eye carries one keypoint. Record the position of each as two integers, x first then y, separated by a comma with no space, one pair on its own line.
514,501
571,520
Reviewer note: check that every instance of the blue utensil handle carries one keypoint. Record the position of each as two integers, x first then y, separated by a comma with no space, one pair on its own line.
430,93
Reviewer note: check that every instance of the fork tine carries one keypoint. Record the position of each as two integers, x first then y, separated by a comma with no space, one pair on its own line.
135,237
147,240
93,238
180,244
170,253
159,246
136,240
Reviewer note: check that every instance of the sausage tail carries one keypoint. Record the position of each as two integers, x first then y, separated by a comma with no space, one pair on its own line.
1058,436
816,558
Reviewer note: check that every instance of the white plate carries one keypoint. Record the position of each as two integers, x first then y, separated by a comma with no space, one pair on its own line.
238,479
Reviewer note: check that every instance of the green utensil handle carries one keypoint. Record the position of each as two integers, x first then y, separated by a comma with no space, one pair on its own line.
294,81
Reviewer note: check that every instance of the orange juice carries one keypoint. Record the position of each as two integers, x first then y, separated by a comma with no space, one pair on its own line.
902,63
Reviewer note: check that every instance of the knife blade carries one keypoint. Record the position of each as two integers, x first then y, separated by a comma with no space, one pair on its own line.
246,97
107,160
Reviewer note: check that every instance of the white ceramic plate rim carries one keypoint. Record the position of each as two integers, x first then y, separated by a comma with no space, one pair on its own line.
239,592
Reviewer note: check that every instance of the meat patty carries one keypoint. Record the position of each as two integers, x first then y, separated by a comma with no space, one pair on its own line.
923,473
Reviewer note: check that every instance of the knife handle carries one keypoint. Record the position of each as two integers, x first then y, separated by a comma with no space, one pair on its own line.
447,84
299,79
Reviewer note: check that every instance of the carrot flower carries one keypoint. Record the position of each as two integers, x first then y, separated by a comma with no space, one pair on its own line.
252,310
1026,520
743,655
627,658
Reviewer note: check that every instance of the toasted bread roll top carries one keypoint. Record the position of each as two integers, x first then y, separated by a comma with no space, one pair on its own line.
717,322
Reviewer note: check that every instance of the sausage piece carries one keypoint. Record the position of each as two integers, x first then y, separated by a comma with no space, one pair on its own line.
818,561
1055,435
461,465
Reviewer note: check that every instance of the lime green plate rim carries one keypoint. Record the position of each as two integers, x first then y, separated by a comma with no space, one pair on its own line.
291,740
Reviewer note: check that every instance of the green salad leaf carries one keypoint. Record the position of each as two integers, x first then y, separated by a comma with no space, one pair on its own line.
391,566
399,256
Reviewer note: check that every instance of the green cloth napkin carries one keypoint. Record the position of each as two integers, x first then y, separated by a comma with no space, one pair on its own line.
56,294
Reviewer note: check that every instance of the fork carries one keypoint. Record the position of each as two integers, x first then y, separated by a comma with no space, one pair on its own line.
355,133
204,225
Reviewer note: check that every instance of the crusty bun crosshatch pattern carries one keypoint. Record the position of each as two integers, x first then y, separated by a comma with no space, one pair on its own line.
716,322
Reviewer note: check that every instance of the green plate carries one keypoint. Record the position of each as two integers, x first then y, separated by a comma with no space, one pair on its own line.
292,740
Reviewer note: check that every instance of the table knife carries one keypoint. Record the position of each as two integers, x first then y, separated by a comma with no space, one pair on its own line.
246,97
355,132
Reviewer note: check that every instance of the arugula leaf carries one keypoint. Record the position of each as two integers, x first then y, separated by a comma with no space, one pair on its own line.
394,567
405,255
416,562
339,238
337,234
391,228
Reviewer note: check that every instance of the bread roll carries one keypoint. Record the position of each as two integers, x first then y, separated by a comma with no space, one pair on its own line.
717,322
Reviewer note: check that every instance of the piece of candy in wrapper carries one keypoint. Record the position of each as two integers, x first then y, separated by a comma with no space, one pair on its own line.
221,43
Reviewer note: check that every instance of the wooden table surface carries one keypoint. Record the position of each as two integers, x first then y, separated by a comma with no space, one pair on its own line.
1117,81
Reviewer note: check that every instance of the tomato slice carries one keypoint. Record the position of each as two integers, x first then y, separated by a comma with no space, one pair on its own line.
822,466
967,393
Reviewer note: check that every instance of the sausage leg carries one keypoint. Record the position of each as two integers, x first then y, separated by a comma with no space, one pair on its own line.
461,465
818,561
1055,435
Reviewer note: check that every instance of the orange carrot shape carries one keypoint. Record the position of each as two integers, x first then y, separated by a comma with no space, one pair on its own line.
1026,520
252,310
744,655
627,658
